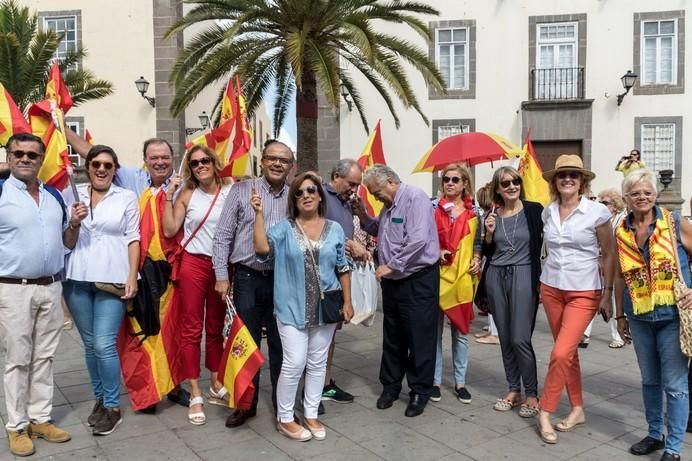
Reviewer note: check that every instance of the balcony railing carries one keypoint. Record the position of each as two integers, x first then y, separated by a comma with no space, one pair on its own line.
557,84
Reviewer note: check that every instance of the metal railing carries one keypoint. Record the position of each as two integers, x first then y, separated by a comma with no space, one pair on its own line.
557,83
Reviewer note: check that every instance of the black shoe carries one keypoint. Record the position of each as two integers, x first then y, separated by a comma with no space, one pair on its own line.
584,343
436,395
416,405
320,409
335,394
463,395
110,419
386,400
668,456
180,396
150,410
96,413
238,417
647,445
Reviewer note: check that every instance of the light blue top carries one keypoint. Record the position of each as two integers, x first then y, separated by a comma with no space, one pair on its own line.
287,250
30,234
134,179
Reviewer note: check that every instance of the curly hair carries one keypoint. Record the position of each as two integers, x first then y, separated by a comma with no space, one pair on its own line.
614,197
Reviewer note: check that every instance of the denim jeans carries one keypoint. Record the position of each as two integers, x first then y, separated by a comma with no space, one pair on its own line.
664,370
460,354
98,316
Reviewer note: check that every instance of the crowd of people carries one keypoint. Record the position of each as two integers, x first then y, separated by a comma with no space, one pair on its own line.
282,252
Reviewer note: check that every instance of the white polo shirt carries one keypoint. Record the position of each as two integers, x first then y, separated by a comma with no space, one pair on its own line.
572,246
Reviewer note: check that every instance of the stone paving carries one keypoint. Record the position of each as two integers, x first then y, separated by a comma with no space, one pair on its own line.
448,430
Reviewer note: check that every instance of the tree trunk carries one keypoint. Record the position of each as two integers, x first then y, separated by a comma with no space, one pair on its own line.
306,121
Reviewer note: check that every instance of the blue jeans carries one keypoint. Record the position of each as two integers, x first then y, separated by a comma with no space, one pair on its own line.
664,370
460,354
98,316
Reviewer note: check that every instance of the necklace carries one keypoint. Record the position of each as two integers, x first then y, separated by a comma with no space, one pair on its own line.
514,230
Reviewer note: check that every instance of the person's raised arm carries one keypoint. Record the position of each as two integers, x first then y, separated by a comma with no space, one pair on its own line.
259,235
79,145
174,211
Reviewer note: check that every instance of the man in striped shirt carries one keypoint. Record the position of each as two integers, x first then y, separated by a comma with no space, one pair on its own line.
253,282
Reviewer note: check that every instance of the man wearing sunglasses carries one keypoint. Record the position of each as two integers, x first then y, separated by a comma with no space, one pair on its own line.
253,282
33,233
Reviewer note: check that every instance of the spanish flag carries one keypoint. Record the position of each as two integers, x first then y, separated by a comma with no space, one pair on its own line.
150,365
536,189
12,120
371,155
88,138
457,285
240,362
48,123
56,90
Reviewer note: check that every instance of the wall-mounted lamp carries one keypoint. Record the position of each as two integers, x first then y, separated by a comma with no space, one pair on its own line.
627,82
142,86
347,97
203,120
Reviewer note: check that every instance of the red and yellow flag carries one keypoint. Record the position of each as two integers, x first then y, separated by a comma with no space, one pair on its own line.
372,154
88,138
12,120
536,189
56,90
240,362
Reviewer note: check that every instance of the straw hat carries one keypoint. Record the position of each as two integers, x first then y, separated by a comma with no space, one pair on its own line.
568,162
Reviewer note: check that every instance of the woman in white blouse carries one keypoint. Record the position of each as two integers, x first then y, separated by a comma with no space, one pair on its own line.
106,256
576,230
196,210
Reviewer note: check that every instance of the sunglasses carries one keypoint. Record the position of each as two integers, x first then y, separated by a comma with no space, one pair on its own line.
505,184
568,174
95,164
20,154
593,199
310,190
605,202
203,161
454,179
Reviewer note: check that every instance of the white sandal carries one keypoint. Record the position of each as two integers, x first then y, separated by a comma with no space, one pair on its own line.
220,397
197,418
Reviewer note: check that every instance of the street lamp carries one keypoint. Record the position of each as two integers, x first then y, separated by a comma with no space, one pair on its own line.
142,86
627,82
204,120
347,97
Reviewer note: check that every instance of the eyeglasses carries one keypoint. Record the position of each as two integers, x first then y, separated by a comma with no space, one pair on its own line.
593,199
505,184
95,164
203,161
568,174
20,154
310,190
606,202
454,179
638,195
281,160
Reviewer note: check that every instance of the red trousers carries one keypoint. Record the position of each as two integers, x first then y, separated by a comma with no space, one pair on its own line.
196,284
568,313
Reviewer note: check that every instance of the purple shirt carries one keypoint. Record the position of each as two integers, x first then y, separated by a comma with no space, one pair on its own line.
406,233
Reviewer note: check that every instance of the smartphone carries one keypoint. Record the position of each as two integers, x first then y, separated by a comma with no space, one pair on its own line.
603,316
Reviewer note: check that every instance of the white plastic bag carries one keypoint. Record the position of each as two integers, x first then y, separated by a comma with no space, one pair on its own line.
363,294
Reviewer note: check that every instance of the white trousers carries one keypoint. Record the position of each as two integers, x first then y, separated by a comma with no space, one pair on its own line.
31,321
306,350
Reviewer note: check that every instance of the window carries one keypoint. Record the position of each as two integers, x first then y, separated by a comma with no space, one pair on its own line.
556,60
446,131
659,52
658,146
452,57
75,126
67,27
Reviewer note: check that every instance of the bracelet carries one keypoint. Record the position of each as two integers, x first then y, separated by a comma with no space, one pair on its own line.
620,317
73,227
608,289
169,199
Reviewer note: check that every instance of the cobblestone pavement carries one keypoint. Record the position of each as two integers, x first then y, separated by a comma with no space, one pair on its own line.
448,430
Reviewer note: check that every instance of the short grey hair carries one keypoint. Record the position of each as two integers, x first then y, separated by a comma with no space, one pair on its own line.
344,167
379,174
637,176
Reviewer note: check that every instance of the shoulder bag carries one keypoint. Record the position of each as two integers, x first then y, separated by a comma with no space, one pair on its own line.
679,289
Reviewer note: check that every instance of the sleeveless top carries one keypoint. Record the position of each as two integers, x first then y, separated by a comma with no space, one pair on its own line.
196,210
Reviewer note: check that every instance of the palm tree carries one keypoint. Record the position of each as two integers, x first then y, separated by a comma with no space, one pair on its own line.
26,54
301,45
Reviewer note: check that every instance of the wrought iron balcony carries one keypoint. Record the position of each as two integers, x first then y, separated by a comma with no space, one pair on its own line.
561,83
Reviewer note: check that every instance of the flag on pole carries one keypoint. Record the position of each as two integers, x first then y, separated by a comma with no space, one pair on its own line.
241,139
56,90
372,154
12,120
88,138
536,189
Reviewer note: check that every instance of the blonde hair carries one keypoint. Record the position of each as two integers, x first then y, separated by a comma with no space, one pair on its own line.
497,179
189,178
641,175
484,196
614,197
467,183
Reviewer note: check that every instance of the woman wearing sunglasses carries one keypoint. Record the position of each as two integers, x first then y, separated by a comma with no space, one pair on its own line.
106,256
308,254
578,236
512,244
196,209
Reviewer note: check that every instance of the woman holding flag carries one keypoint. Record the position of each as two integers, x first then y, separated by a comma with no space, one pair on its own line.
197,209
460,262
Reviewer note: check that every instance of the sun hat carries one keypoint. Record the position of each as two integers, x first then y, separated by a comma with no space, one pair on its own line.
568,162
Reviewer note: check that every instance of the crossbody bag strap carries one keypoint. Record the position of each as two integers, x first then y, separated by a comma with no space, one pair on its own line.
674,241
204,219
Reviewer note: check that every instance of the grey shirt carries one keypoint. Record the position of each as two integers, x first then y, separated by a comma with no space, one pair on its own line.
511,241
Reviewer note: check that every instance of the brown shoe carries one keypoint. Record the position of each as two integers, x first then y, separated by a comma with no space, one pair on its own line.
48,432
20,443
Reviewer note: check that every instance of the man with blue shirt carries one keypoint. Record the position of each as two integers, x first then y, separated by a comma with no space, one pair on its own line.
34,230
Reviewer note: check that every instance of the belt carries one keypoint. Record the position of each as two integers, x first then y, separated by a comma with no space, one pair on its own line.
263,273
39,281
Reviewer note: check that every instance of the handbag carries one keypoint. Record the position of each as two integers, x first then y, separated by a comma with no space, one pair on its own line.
679,289
178,255
116,289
